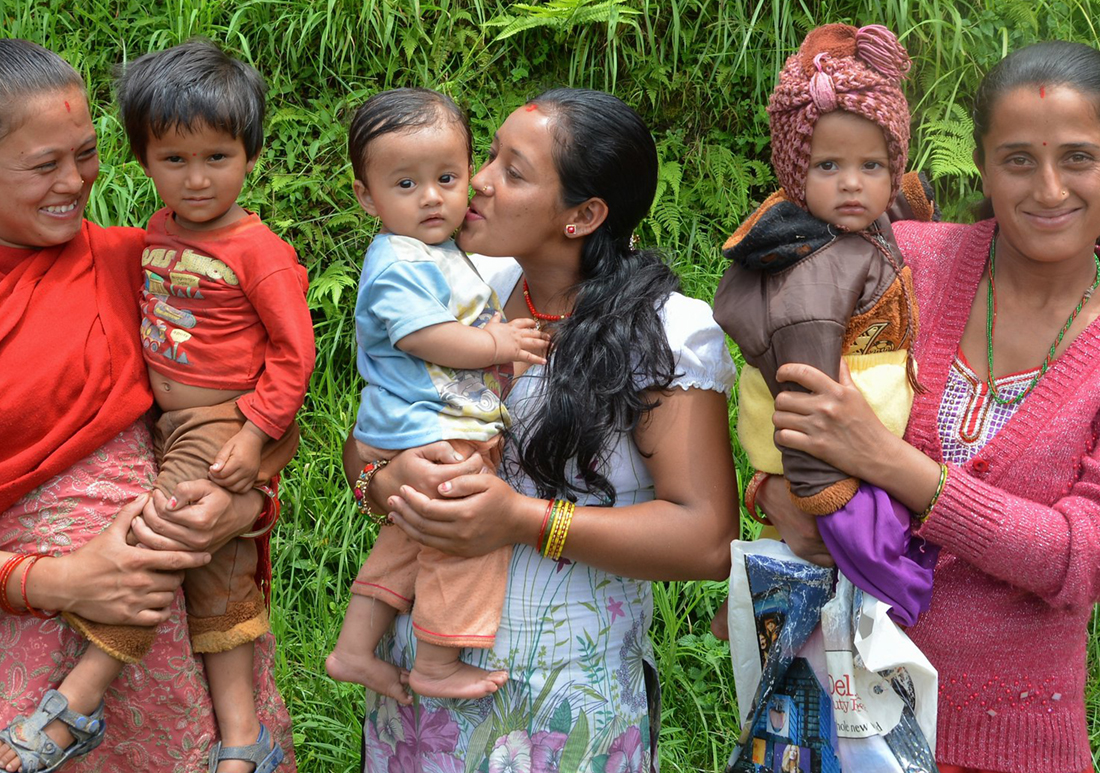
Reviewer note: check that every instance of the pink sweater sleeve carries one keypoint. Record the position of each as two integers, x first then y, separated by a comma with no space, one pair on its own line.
1053,552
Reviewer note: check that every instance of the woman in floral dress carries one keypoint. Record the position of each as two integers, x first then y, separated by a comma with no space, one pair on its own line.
628,419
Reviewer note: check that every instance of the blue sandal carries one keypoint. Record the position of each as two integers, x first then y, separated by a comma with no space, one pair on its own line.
265,754
37,752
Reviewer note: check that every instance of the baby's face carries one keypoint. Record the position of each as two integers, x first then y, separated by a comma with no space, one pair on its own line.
418,182
848,182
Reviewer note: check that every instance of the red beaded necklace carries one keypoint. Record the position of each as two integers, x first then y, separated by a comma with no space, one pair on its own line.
539,317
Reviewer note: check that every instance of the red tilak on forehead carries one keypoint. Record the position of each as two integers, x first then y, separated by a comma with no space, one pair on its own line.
531,108
1042,92
67,108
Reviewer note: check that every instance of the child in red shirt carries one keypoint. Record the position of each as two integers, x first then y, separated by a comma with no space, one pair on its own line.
228,341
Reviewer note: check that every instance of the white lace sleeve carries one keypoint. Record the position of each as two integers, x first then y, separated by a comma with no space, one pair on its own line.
703,358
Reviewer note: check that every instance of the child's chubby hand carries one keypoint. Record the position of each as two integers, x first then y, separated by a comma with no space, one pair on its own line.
517,341
236,465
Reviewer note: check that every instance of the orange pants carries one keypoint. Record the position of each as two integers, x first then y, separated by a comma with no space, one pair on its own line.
224,605
458,600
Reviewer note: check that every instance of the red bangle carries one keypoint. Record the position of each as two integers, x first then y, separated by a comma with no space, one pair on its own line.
6,571
753,487
545,521
23,590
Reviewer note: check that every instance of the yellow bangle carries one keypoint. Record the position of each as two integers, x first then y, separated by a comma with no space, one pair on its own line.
561,517
935,497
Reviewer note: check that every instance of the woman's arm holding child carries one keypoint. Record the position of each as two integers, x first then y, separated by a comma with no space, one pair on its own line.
683,534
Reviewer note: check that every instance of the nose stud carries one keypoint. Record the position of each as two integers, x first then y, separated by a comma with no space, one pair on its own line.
486,189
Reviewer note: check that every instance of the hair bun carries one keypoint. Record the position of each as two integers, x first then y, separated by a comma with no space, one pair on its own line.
881,49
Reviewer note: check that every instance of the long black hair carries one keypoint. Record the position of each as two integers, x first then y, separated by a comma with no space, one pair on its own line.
613,347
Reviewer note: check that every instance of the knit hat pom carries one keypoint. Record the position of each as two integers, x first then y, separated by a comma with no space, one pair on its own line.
836,40
881,49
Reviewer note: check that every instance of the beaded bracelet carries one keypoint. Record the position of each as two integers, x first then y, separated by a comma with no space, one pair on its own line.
362,491
935,497
751,490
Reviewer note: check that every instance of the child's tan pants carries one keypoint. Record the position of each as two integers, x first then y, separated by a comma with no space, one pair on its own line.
224,605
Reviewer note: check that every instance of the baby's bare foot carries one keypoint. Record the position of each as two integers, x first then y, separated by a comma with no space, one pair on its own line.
378,675
454,680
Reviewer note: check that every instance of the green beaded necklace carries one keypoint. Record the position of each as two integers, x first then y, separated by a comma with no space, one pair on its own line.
991,321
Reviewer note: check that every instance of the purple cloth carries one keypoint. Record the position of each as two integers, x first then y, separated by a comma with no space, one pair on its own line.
870,541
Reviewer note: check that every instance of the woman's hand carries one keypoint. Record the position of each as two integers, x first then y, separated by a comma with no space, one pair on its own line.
798,529
833,422
111,582
424,468
480,514
201,516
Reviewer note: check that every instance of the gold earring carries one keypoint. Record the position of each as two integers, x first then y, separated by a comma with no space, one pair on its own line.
570,229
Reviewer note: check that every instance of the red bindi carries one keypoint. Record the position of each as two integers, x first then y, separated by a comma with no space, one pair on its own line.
1044,144
1042,94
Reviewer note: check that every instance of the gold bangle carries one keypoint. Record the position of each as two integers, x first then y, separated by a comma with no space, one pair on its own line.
362,491
560,530
935,497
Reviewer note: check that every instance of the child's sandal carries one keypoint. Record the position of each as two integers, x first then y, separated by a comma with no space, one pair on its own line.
37,752
265,754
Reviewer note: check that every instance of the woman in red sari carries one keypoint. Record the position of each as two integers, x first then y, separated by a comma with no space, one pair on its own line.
75,452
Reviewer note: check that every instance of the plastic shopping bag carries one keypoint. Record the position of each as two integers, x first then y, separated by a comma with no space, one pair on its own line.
825,680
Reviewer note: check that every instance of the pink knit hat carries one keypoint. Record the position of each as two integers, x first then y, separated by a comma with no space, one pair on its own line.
839,67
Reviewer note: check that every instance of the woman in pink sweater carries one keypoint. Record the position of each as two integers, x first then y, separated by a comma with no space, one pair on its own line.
1000,462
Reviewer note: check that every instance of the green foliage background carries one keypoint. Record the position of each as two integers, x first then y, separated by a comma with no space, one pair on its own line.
699,71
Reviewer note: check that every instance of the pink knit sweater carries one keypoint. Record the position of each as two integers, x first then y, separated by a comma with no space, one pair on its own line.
1020,527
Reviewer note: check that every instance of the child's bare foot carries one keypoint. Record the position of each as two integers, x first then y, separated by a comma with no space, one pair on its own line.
454,679
370,671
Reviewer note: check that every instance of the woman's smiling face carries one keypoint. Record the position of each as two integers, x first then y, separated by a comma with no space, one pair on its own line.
48,163
1041,170
517,207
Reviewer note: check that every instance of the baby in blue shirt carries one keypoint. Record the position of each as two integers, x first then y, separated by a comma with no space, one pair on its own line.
437,360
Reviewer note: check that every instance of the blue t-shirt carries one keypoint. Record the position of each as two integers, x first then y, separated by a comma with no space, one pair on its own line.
406,286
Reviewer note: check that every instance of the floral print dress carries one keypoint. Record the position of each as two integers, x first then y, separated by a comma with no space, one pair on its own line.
582,693
158,712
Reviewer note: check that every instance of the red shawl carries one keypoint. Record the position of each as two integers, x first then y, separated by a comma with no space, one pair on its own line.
71,370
